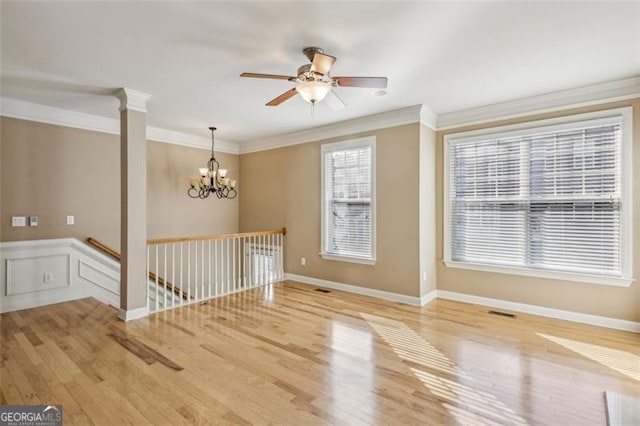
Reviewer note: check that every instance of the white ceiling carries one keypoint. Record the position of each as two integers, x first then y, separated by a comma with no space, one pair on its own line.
188,55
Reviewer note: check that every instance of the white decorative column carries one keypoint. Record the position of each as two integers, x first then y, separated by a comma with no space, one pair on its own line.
427,205
133,204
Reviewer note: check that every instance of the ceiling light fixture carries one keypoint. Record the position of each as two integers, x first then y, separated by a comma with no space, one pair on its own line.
213,179
313,91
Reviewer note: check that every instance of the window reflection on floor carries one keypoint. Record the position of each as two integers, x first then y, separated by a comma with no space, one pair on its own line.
350,340
352,372
469,406
620,361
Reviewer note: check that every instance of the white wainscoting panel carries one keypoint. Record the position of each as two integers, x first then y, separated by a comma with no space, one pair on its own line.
106,279
73,271
29,274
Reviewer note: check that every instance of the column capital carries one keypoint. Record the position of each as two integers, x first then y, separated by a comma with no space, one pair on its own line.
132,99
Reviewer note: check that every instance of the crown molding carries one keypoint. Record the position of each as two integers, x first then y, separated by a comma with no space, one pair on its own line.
132,100
23,110
628,88
428,117
363,124
611,91
187,139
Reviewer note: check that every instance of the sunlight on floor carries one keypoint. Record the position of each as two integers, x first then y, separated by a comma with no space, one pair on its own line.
621,361
469,406
408,345
350,340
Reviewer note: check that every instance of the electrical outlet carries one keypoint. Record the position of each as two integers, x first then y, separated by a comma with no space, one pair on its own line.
71,220
303,261
33,220
47,278
17,221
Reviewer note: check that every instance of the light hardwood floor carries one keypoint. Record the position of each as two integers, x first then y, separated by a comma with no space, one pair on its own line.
286,354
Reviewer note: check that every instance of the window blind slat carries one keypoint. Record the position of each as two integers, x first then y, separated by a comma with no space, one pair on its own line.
548,200
348,201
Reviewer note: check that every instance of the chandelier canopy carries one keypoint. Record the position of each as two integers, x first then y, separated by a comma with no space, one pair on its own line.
213,179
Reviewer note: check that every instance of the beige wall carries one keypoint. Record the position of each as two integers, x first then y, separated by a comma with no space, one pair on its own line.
615,302
170,212
282,188
53,171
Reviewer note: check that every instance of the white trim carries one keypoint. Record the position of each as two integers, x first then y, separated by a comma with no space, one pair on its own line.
579,97
350,259
357,125
194,141
132,100
427,298
626,190
543,273
554,124
369,141
103,284
611,91
133,314
393,297
428,117
542,311
22,110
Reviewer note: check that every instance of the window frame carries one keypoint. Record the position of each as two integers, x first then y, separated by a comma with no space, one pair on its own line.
369,141
554,124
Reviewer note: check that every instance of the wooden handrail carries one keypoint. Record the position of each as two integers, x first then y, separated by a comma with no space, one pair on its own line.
111,252
161,281
156,241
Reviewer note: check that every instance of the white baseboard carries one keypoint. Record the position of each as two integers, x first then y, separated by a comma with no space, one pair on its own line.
386,295
133,314
425,299
614,323
542,311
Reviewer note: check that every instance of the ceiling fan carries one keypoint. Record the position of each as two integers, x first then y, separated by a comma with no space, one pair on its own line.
314,82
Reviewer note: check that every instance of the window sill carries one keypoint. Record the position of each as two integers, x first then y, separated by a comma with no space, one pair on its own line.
352,259
540,273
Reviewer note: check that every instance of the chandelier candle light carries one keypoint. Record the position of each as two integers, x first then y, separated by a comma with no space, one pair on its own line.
213,179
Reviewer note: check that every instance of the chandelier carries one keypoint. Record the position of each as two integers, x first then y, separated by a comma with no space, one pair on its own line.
213,179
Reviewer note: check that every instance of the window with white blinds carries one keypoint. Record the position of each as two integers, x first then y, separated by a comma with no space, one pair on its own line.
546,198
348,207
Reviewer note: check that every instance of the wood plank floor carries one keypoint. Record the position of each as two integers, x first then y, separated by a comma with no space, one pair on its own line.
285,354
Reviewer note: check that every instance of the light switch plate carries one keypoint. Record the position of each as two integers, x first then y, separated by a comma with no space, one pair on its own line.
71,220
18,221
33,220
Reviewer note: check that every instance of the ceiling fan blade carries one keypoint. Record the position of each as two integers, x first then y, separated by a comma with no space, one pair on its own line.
272,76
322,63
280,99
372,82
333,101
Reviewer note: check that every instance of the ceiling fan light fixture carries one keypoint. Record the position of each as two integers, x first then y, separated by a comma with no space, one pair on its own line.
313,91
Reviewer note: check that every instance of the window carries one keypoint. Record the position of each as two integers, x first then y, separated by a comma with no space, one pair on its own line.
261,262
348,201
553,198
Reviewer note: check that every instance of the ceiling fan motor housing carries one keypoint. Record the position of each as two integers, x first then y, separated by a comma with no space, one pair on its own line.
305,74
311,51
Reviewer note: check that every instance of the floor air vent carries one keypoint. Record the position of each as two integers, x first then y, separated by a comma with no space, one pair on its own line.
502,314
322,290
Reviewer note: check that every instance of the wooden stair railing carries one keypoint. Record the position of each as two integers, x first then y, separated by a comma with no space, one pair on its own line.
161,281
